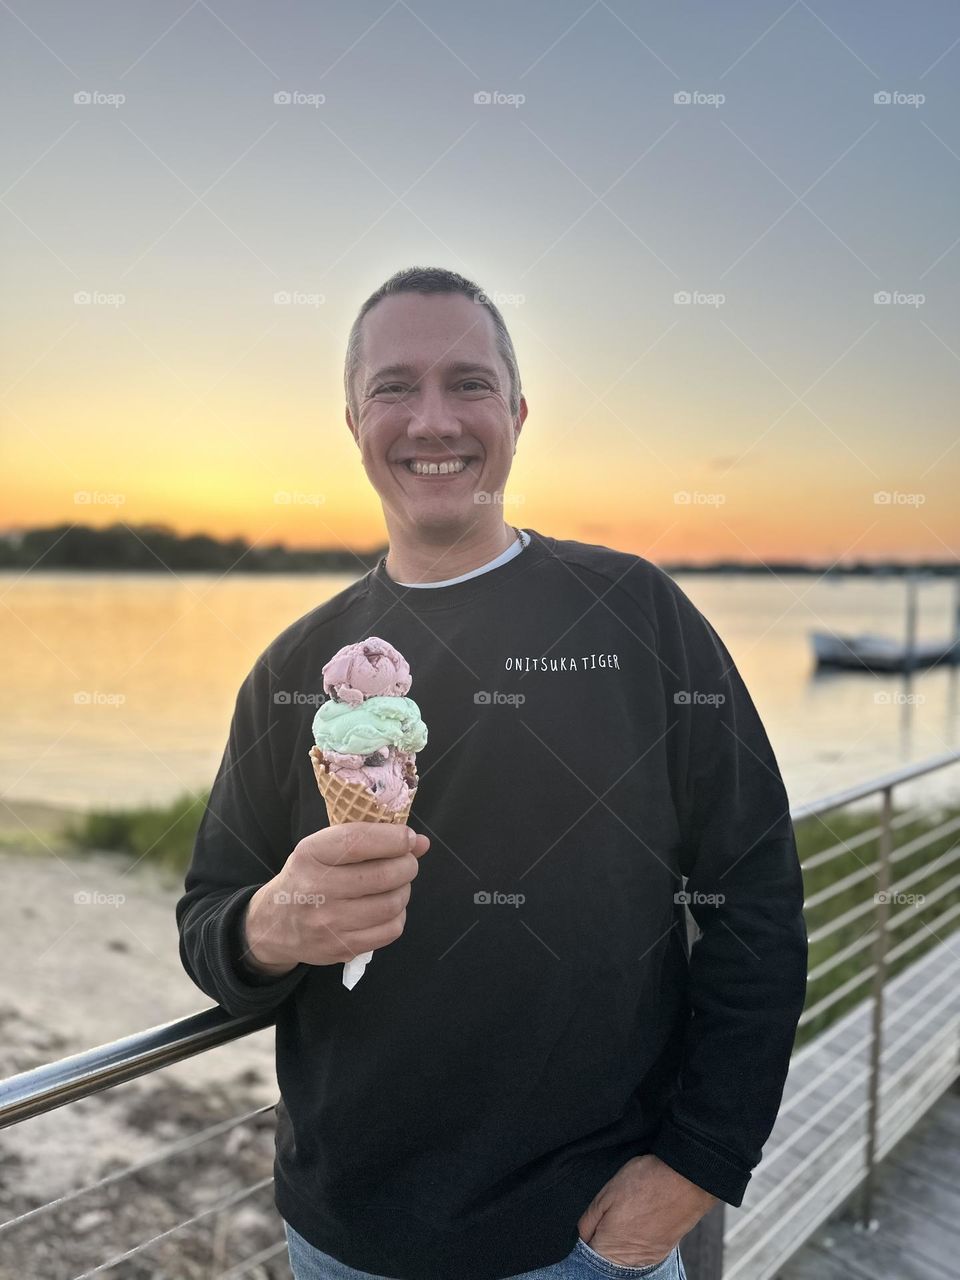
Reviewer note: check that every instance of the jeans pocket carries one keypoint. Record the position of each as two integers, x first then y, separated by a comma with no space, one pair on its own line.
668,1269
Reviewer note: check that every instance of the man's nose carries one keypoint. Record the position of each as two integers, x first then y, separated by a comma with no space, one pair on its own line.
433,415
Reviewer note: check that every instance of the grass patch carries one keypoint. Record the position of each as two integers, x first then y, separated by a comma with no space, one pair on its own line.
162,835
930,891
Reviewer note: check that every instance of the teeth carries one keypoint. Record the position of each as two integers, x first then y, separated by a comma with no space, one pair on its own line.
432,469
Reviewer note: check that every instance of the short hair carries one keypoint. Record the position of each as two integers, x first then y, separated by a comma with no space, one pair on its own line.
428,280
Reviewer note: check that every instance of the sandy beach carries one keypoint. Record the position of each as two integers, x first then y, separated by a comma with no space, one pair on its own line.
81,971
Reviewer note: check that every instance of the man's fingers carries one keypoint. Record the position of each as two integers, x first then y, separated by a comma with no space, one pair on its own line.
352,842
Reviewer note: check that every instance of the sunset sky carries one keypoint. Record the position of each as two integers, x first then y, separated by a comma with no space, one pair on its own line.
783,398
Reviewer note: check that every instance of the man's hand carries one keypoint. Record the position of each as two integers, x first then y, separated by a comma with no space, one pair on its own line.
342,891
643,1212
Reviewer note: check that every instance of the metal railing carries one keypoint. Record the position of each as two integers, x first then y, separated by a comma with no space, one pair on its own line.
45,1088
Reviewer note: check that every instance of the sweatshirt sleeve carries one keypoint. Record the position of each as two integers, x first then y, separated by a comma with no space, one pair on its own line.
748,968
242,842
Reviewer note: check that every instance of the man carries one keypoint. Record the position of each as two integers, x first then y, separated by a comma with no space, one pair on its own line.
535,1074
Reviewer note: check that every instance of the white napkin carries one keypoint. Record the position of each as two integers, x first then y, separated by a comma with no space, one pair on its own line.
353,969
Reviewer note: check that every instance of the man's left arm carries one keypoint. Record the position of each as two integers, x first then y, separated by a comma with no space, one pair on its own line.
748,967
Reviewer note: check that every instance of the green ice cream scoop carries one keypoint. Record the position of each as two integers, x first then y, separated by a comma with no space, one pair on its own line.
376,722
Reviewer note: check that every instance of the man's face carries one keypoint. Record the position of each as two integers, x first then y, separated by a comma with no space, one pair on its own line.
432,387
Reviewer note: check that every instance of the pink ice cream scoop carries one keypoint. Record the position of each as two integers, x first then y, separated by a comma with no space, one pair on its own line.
369,669
388,774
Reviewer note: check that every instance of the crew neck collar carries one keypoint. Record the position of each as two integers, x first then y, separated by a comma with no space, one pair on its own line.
515,548
455,594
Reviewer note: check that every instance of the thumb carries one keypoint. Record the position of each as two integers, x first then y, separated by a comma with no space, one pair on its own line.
589,1221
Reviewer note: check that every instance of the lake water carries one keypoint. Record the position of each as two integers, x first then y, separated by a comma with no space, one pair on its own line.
118,689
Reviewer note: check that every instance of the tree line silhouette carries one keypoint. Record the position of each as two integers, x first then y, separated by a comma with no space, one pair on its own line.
157,547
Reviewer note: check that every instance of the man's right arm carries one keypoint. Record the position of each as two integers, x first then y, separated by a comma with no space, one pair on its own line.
241,845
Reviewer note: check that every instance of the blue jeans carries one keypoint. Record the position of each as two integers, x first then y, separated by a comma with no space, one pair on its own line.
582,1263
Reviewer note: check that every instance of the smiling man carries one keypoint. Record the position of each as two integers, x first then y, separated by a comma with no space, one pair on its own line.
537,1076
434,404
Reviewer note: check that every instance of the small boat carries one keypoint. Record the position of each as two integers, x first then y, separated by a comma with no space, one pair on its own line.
869,652
879,653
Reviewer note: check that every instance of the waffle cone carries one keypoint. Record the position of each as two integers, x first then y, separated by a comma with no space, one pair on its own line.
349,802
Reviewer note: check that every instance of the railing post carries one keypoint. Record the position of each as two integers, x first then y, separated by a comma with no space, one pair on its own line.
702,1248
882,906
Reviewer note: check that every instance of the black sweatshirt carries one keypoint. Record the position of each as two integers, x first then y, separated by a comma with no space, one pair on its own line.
541,1020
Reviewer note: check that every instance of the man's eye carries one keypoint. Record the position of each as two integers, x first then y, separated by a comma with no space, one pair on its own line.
389,387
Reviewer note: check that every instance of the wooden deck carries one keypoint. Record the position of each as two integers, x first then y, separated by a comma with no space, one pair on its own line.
815,1157
916,1208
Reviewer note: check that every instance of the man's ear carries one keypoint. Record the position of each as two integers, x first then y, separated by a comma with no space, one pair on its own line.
518,426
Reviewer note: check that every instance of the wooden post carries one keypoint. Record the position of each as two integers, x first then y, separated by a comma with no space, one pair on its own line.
911,643
702,1248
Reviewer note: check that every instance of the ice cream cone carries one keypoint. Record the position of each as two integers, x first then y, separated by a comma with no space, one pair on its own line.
348,802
